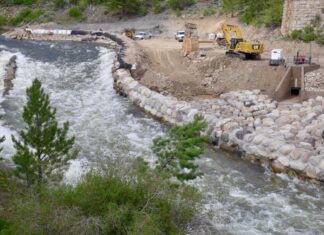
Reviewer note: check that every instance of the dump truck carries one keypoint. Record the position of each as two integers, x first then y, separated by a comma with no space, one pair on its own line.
238,47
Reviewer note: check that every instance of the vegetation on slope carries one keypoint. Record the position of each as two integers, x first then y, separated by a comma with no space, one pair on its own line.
121,196
37,10
267,12
310,33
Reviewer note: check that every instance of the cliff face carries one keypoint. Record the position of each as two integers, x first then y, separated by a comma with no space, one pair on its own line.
298,13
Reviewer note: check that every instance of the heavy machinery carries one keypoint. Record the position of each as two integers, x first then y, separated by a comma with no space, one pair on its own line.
238,47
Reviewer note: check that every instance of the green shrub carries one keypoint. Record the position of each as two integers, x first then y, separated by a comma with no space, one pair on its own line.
157,8
74,2
209,12
267,12
59,3
180,4
26,15
320,40
178,12
297,34
21,2
3,21
141,203
75,13
309,37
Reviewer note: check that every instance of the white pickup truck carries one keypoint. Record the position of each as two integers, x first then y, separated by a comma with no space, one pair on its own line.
143,35
179,36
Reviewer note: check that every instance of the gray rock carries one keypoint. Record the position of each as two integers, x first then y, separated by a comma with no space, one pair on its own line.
225,137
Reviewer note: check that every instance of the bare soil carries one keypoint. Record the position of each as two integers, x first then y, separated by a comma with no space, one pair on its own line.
204,74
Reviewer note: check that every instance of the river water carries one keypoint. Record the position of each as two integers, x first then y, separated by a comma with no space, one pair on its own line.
239,197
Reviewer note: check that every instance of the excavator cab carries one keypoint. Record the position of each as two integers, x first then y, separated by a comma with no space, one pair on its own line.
234,42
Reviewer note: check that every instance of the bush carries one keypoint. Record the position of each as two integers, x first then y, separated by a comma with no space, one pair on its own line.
267,12
307,34
3,21
309,37
157,8
180,4
74,2
26,15
75,13
320,40
209,12
141,203
59,3
297,34
19,2
178,12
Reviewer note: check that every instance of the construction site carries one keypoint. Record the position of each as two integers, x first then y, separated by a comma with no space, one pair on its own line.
206,64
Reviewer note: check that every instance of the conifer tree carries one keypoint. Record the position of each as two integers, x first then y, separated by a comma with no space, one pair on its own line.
45,149
177,152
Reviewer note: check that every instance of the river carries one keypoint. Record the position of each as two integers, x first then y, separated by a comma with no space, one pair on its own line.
239,197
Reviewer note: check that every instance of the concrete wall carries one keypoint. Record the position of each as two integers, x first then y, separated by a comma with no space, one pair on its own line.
298,13
283,89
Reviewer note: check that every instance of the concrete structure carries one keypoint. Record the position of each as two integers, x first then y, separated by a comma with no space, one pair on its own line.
298,13
295,77
191,39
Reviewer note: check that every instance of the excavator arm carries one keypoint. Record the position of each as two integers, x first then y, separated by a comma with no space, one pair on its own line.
231,31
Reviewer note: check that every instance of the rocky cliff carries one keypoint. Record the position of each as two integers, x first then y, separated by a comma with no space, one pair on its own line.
298,13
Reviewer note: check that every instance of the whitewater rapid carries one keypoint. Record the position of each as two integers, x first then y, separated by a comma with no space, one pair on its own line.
238,197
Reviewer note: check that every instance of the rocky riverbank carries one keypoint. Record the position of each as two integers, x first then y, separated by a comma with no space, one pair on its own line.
288,138
246,122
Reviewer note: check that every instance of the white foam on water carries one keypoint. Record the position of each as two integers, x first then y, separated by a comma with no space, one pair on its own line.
99,118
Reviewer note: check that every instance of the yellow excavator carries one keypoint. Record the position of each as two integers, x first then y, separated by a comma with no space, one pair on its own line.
238,47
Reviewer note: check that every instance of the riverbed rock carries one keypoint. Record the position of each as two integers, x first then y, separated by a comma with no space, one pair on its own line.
277,167
283,160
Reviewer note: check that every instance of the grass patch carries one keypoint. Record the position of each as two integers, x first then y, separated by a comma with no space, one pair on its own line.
26,15
75,13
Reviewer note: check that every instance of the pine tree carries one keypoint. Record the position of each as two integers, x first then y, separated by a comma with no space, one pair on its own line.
177,152
44,150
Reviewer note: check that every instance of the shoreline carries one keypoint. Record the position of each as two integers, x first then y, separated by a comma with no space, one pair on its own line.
247,123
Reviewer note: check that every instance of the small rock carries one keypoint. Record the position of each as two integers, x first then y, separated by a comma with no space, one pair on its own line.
286,149
311,172
277,167
225,137
228,148
239,134
284,160
250,157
